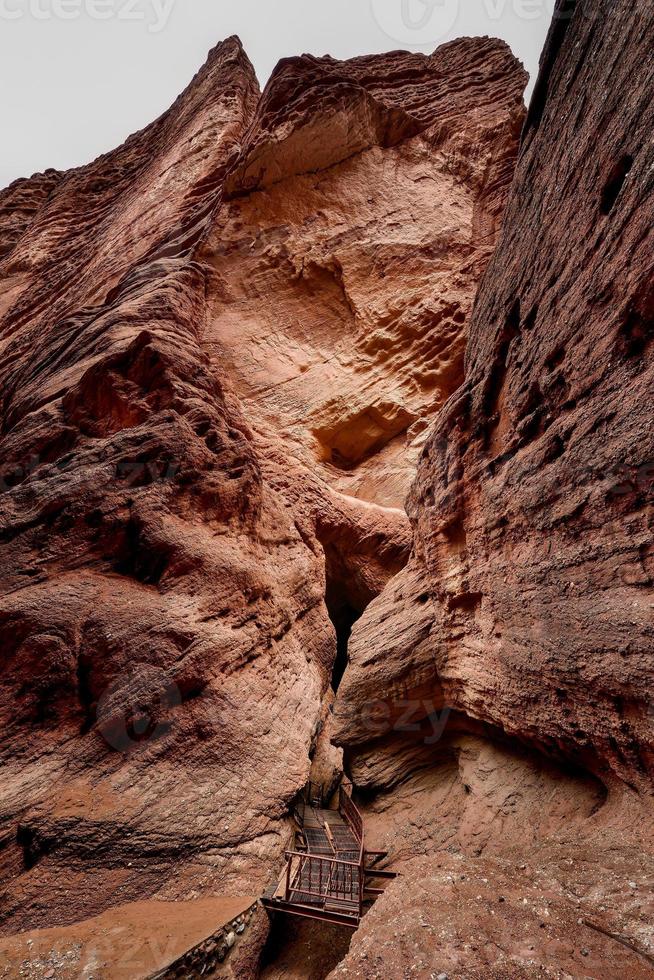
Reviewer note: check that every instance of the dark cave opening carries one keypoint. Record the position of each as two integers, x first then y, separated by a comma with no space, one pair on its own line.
32,846
302,947
346,598
343,616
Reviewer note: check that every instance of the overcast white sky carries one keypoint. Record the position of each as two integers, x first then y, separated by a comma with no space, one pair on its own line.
78,76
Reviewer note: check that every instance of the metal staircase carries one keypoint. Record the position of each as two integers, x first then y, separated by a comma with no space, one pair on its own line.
325,876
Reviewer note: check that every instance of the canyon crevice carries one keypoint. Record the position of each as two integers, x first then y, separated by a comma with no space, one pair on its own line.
220,358
230,351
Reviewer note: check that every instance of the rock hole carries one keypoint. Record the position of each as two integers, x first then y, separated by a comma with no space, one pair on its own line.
353,436
530,320
615,183
637,329
455,534
554,450
32,847
494,394
512,325
556,358
139,560
85,693
466,601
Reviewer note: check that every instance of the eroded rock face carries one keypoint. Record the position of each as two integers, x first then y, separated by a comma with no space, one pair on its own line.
526,609
221,346
358,221
165,641
532,501
486,918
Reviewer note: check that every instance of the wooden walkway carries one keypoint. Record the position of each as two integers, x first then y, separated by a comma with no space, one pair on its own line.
326,875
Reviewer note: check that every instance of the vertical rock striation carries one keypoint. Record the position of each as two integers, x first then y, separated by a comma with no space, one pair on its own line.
533,504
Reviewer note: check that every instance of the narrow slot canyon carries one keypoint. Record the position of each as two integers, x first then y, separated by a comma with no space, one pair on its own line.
345,604
326,429
298,947
343,616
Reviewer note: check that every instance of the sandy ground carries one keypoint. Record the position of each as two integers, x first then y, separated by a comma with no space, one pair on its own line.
125,943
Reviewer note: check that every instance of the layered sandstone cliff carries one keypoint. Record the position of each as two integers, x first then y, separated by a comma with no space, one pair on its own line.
356,225
221,348
224,349
497,708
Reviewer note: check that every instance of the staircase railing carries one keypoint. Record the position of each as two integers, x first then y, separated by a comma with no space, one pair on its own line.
350,813
314,879
353,818
313,876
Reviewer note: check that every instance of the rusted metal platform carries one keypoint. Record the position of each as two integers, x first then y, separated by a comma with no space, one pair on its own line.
325,875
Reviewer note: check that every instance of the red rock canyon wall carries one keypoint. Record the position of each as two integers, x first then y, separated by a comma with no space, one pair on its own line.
222,346
526,608
225,348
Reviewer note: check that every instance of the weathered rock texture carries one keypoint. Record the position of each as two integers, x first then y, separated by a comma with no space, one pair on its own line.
221,346
487,921
526,608
145,562
358,222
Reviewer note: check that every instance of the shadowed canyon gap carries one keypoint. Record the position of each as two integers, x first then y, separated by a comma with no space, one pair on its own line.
225,349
